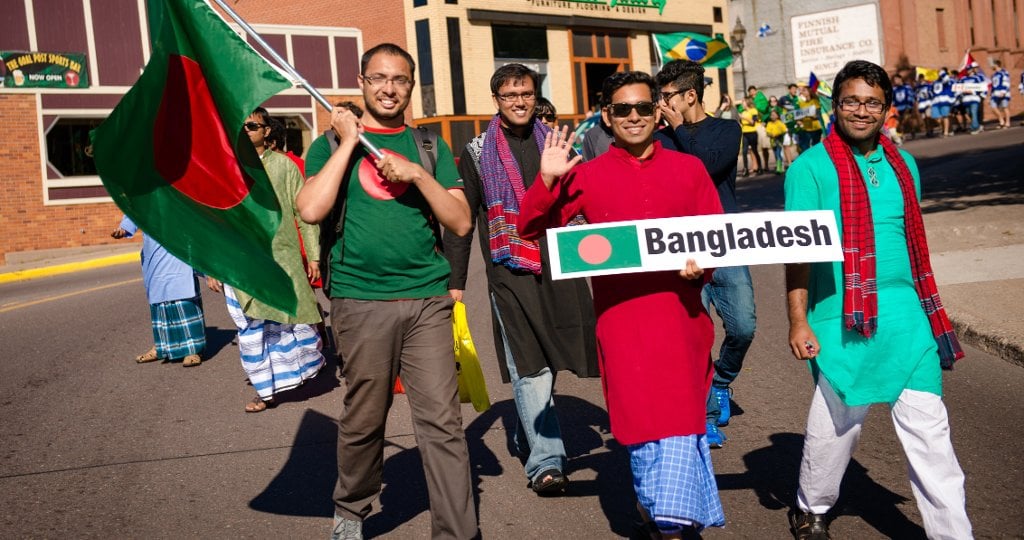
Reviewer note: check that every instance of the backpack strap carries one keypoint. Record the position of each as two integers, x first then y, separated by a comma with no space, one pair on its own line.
426,142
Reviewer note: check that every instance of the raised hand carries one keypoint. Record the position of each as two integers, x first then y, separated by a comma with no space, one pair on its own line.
554,161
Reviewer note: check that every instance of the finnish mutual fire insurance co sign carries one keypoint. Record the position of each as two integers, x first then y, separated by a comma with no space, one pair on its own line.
712,241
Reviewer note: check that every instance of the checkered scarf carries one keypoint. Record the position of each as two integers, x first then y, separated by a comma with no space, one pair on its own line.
860,288
503,190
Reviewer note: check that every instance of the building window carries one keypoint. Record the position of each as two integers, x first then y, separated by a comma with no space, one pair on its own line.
451,1
718,14
1016,23
995,31
940,22
970,19
419,3
455,65
526,45
519,42
426,63
68,149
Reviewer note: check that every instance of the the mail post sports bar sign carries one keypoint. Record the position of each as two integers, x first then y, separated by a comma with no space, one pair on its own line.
712,241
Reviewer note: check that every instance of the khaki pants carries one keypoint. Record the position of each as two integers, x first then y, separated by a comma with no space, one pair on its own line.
377,341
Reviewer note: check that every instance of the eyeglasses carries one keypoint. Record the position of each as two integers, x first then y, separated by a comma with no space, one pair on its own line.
853,105
378,80
667,96
623,110
253,126
527,97
547,117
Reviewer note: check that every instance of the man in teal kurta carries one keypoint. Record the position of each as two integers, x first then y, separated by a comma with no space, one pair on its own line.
892,358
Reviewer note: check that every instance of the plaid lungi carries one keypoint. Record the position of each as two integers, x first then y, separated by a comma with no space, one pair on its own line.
276,356
675,482
178,328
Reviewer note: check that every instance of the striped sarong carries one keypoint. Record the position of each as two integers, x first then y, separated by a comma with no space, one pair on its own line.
675,482
275,356
178,328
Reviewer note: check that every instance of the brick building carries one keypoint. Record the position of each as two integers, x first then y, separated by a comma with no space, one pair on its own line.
50,195
573,44
926,33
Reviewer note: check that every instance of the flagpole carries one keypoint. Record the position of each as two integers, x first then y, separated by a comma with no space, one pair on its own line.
370,147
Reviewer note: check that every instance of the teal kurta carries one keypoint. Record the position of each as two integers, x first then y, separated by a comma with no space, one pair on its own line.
902,354
287,181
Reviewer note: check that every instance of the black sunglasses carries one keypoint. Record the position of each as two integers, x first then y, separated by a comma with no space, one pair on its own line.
546,117
622,110
253,126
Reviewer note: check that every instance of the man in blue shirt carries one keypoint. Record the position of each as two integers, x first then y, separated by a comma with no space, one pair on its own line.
1000,100
972,97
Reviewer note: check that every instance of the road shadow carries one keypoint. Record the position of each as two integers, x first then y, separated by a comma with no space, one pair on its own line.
217,339
773,472
953,181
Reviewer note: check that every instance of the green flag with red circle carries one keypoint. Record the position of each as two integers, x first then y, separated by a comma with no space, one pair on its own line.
598,248
174,158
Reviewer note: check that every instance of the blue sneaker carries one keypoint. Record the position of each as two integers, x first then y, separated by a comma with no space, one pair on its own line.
723,395
715,436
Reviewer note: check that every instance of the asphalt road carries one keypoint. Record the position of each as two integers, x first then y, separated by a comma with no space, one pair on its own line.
97,446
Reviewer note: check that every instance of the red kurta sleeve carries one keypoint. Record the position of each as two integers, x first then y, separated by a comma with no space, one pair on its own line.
543,208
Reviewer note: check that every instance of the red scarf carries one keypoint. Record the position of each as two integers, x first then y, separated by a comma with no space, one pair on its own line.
860,288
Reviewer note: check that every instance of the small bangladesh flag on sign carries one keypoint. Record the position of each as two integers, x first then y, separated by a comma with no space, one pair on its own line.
174,158
599,248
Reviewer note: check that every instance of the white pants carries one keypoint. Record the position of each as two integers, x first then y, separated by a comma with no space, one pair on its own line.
833,429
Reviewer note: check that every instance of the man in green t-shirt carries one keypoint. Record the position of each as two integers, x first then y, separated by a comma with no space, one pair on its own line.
388,285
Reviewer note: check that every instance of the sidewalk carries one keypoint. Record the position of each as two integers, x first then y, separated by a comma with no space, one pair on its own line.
982,287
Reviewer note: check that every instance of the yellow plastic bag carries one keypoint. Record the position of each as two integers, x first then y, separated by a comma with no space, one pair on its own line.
472,387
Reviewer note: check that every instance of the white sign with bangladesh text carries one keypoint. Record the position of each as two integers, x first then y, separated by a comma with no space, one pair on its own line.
712,241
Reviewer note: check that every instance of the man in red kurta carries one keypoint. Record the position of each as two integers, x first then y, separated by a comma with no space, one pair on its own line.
653,332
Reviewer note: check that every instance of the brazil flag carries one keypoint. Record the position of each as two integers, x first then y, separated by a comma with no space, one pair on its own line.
600,248
711,52
174,158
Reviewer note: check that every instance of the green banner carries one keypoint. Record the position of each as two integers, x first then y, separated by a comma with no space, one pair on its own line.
23,69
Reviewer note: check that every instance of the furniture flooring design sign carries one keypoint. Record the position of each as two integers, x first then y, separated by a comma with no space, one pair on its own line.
22,69
712,241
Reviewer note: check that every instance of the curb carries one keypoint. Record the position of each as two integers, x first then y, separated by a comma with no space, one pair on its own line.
990,343
33,273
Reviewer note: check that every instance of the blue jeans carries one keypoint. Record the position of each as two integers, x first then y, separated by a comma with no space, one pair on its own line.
972,109
536,419
732,293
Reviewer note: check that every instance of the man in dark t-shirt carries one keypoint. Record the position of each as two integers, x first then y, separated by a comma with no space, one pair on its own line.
716,143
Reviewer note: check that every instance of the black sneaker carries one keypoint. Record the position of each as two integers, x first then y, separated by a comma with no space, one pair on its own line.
807,526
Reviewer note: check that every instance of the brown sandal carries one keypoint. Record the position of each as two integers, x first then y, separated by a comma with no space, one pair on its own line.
191,360
148,356
258,404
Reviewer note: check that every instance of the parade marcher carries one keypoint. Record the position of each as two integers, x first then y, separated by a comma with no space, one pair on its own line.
923,98
596,140
748,128
540,326
653,333
810,127
388,285
175,304
872,327
714,142
546,113
777,132
972,99
903,100
942,99
1001,93
276,142
279,350
790,103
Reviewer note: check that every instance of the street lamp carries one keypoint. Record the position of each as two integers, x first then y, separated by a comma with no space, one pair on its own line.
738,35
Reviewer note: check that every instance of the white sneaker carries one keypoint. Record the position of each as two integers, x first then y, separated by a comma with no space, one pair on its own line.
346,529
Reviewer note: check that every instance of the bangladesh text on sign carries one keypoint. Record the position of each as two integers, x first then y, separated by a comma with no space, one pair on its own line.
22,69
712,241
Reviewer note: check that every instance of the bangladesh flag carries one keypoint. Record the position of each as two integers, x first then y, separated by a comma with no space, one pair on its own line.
601,248
706,50
174,157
